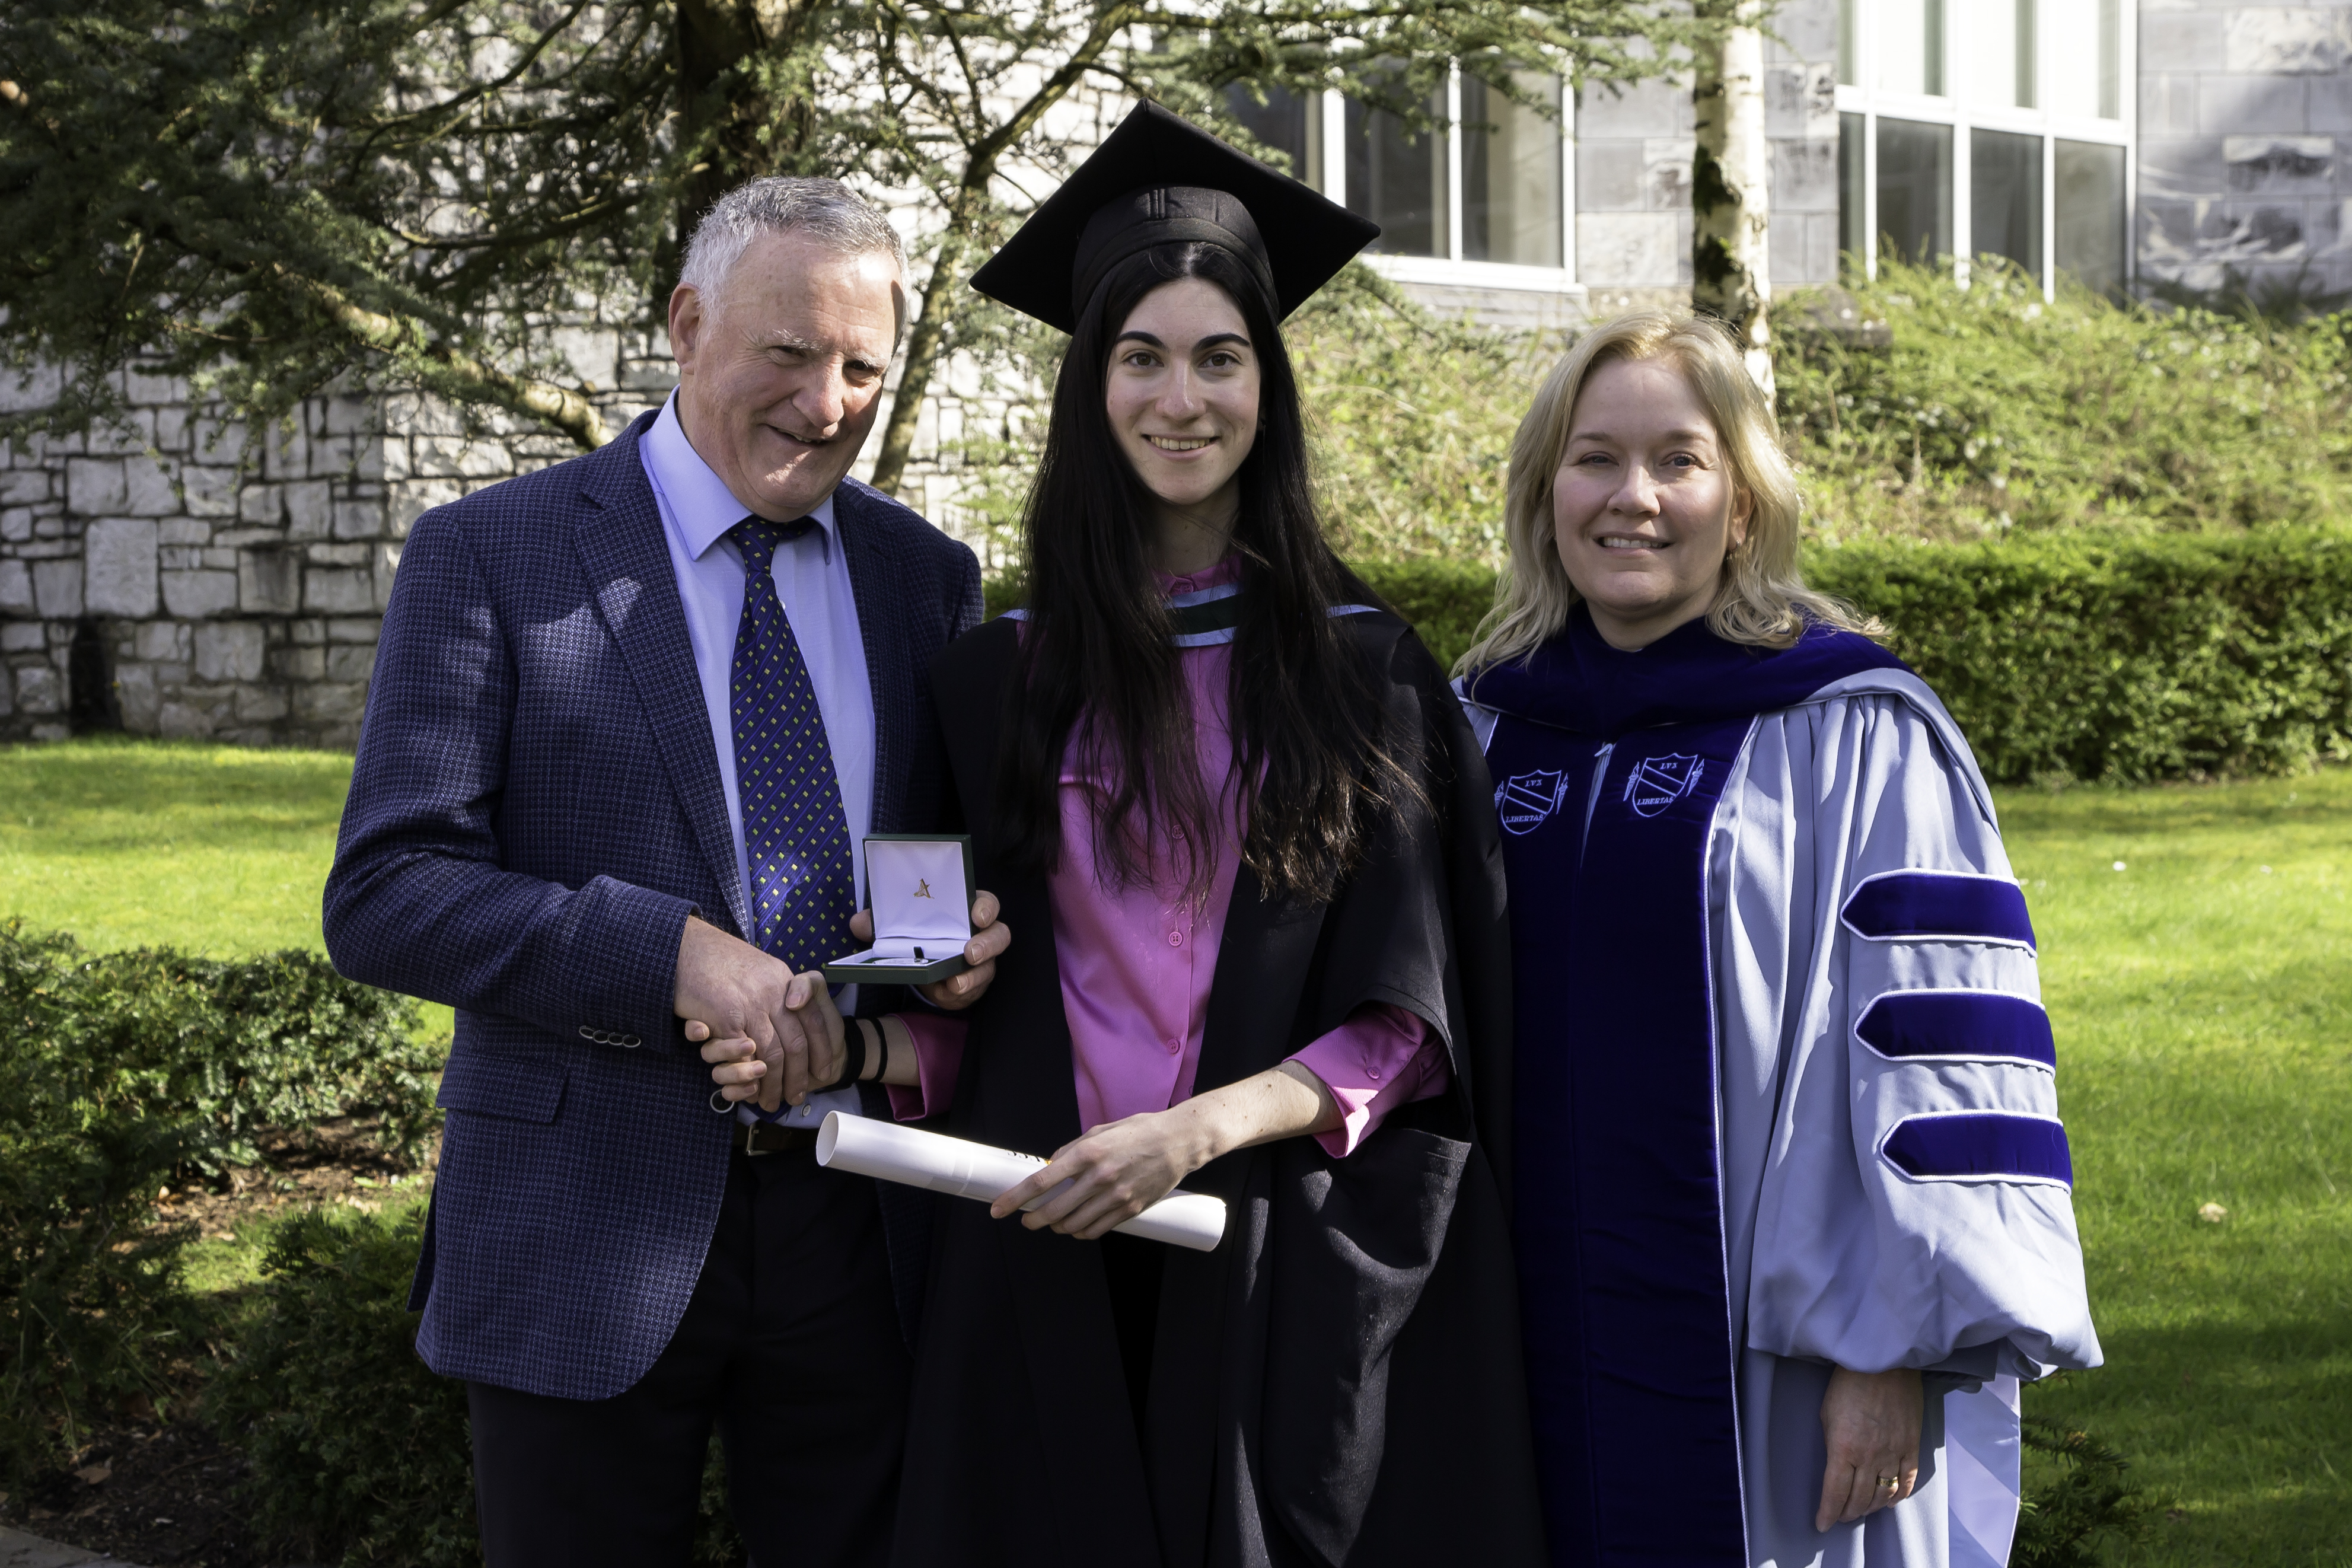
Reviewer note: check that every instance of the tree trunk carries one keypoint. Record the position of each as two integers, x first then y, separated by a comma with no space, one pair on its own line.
1731,201
742,133
924,342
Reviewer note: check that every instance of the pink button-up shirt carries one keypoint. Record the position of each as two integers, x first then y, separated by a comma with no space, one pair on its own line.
1138,961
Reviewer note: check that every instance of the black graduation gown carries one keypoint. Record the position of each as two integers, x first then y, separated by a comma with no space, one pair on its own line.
1339,1381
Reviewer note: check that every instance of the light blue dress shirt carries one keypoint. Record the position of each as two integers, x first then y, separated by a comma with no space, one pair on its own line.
812,577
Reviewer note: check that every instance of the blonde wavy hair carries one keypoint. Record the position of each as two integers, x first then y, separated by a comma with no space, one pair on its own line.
1763,601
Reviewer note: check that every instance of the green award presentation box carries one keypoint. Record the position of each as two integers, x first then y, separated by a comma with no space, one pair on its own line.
920,888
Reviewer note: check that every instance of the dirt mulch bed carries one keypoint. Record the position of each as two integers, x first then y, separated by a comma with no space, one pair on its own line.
332,1164
161,1495
165,1494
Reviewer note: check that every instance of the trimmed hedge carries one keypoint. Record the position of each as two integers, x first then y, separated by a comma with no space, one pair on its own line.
2171,657
2081,655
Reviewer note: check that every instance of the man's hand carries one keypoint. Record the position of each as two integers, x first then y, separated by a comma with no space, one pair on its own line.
989,941
1872,1422
729,990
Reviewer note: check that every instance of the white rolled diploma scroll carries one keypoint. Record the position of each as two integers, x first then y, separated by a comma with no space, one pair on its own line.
967,1170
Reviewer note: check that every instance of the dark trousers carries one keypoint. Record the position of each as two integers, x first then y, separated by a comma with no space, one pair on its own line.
791,1345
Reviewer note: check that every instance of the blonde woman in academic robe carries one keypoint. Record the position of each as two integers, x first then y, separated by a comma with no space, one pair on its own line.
1792,1192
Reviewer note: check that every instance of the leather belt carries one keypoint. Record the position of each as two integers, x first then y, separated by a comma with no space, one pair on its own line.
757,1138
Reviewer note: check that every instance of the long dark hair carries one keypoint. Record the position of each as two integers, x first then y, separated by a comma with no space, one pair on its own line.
1311,763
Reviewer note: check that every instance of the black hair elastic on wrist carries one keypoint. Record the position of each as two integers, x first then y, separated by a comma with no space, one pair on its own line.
854,1074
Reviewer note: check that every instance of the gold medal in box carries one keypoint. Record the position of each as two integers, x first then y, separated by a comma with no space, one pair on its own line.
919,888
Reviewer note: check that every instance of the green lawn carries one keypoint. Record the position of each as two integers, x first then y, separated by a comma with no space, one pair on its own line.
148,843
2202,997
2203,1003
131,843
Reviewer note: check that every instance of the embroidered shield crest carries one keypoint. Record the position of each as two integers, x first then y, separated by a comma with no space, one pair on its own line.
1527,799
1657,782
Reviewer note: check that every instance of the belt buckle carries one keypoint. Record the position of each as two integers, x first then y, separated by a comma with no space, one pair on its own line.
752,1149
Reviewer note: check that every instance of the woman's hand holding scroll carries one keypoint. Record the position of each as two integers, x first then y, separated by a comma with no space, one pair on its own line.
1120,1169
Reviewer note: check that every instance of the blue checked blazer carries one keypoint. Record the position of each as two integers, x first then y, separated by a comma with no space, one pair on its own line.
534,811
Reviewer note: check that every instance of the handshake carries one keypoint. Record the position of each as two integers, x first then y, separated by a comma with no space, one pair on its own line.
775,1036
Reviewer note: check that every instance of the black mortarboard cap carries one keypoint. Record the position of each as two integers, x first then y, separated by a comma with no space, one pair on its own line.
1160,180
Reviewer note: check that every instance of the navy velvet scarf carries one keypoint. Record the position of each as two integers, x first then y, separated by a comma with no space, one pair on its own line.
1608,767
1579,683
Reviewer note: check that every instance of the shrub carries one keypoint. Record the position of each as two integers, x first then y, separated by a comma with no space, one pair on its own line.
117,1072
1996,409
2092,1503
91,1306
360,1454
1445,600
1412,417
241,1046
2090,656
2124,660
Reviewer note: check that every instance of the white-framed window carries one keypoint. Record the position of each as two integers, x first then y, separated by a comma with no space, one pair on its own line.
1487,201
1972,128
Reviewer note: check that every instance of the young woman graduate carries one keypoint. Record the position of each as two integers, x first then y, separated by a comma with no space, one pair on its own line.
1793,1195
1240,826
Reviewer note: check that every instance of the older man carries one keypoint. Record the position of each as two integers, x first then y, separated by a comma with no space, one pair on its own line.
590,678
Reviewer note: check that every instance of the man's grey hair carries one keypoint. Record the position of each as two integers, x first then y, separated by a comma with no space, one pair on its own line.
825,210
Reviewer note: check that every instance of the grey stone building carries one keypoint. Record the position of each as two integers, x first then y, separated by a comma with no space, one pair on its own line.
180,578
2245,119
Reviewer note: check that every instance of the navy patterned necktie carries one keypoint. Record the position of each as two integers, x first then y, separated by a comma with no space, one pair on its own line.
795,833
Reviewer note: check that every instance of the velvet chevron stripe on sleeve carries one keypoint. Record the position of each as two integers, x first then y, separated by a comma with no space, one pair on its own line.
1958,1025
1980,1146
1939,906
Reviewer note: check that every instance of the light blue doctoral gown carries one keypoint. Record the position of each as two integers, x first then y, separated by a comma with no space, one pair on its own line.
1835,1254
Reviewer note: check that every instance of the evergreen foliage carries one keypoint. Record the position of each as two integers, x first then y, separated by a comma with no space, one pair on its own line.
91,1306
2091,1504
2085,655
236,1046
2090,656
265,196
360,1454
1413,415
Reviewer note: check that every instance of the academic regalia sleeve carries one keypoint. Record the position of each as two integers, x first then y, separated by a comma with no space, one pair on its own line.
1916,1208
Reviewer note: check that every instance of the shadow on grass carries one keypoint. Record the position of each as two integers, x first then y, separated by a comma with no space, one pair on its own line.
2240,1434
100,793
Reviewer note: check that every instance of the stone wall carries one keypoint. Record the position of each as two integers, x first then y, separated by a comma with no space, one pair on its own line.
2245,115
180,579
183,576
